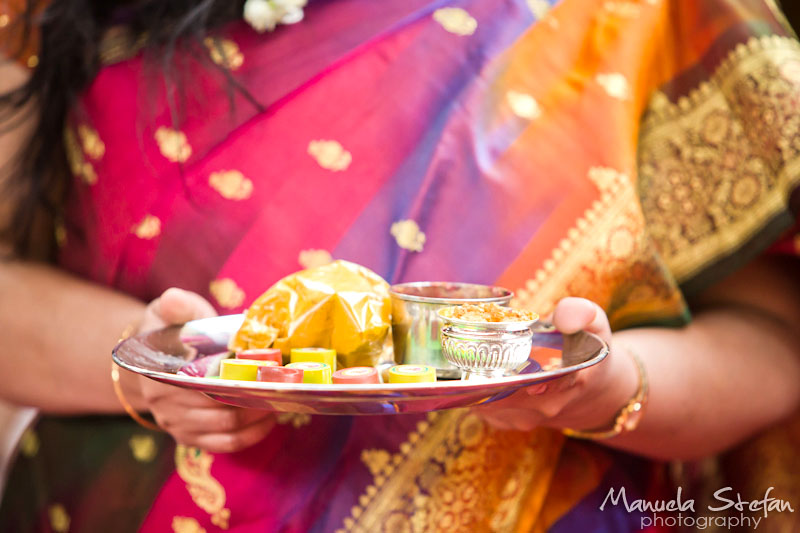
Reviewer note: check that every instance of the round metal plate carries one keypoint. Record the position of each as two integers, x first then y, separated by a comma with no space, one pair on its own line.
159,355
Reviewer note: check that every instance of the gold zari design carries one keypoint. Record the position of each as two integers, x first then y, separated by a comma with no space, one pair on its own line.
227,293
173,144
148,228
314,258
143,448
92,145
330,155
231,184
408,235
717,165
59,519
185,524
78,165
523,105
224,52
194,468
714,168
456,20
615,84
610,238
539,8
455,474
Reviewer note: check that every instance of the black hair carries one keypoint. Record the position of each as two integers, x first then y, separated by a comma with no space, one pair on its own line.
70,33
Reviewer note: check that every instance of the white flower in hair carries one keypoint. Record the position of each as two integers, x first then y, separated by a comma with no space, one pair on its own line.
264,15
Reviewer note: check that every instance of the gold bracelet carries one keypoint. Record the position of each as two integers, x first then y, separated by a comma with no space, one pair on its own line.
118,388
628,417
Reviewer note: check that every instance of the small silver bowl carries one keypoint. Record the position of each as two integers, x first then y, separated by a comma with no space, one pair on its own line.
486,349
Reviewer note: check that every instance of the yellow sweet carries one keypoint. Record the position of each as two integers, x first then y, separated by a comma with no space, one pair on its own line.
242,369
412,374
318,373
314,355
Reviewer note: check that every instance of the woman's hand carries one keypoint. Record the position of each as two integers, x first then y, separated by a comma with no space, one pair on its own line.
587,399
190,417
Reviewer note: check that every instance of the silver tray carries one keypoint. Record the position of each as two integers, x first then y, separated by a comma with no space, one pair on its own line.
159,355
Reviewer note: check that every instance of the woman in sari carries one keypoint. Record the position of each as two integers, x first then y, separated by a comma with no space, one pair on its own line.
630,154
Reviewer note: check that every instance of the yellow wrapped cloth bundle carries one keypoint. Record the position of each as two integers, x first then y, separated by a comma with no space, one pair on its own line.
340,305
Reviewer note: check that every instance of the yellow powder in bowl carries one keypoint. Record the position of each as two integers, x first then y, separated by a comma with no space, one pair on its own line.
488,313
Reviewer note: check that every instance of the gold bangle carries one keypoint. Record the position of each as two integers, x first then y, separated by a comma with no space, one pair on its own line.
118,388
628,417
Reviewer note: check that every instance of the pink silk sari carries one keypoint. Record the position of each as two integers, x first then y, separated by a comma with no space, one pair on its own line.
590,148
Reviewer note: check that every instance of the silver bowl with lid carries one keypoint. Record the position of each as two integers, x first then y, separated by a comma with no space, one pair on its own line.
416,324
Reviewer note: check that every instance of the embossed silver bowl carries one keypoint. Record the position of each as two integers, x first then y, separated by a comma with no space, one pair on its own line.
486,349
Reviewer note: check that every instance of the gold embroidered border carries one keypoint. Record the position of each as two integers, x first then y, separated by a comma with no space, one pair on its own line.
454,474
719,164
388,483
575,250
608,258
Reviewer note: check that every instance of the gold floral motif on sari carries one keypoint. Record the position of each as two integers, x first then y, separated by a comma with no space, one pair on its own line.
173,144
456,474
227,293
539,8
92,145
408,235
719,164
330,154
313,258
615,85
224,52
78,165
194,468
148,228
231,184
456,20
523,105
185,524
